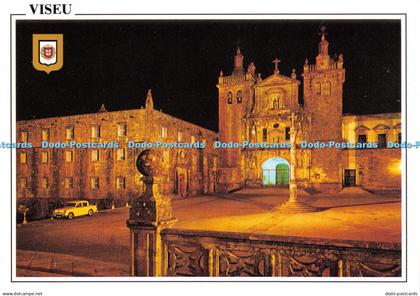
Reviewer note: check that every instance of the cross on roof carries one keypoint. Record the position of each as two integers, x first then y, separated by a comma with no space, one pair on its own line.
276,62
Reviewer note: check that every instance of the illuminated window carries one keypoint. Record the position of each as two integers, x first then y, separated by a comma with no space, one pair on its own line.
23,157
287,133
204,142
23,183
69,133
95,132
381,140
327,88
164,132
318,88
121,130
264,134
120,183
120,154
192,139
45,134
69,183
179,136
44,182
94,183
24,136
239,97
44,157
95,155
229,98
69,156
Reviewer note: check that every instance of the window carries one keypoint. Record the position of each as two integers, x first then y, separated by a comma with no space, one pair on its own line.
204,142
24,136
94,183
69,183
23,183
164,132
44,157
179,136
239,97
381,140
121,130
69,133
264,134
229,97
192,139
399,138
276,103
23,158
69,156
95,155
327,88
44,182
361,139
120,183
95,132
287,133
120,154
318,88
45,135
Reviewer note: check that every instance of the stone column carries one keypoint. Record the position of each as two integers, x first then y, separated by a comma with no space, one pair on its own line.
292,183
149,214
293,205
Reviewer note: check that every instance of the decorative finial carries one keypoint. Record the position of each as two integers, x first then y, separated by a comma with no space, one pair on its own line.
306,61
293,73
102,109
276,62
251,68
149,100
323,33
238,51
221,73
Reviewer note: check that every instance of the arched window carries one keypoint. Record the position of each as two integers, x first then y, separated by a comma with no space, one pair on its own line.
276,103
327,88
318,88
229,97
239,96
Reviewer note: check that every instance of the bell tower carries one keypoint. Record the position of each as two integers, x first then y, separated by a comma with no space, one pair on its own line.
323,103
235,93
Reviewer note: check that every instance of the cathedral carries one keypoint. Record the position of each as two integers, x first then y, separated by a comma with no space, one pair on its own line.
253,109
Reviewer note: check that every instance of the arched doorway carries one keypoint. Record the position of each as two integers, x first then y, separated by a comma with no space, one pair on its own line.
275,172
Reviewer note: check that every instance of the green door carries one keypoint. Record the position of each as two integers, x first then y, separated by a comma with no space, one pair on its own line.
282,174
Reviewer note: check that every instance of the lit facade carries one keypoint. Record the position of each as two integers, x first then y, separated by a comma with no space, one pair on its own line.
256,110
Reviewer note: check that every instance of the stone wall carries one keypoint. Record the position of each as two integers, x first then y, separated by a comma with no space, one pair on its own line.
199,165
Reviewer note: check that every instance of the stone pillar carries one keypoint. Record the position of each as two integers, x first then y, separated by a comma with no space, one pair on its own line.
149,214
292,183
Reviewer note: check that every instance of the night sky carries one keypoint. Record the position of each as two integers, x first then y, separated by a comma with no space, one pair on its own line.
116,62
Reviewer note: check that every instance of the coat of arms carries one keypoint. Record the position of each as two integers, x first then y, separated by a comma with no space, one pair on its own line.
47,52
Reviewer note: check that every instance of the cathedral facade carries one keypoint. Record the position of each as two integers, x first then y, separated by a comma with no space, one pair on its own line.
257,110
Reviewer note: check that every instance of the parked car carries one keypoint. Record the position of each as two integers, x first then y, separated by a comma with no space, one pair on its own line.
75,208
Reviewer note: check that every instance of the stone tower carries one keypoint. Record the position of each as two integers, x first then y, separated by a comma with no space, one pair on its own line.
235,94
323,104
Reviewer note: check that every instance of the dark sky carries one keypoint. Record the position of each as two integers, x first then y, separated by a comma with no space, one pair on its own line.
115,62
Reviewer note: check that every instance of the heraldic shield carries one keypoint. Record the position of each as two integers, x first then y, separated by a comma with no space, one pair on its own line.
47,52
